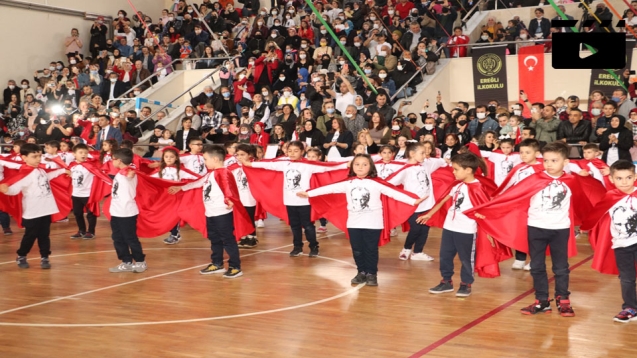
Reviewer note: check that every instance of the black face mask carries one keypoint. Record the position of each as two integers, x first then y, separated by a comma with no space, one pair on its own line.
245,114
445,10
412,120
462,122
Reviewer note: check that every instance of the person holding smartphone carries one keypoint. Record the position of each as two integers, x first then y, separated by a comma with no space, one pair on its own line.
73,44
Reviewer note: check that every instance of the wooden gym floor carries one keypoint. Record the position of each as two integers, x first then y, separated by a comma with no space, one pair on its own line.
287,307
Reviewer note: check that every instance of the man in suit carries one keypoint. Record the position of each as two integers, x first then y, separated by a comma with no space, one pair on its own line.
140,75
107,132
569,17
147,59
113,88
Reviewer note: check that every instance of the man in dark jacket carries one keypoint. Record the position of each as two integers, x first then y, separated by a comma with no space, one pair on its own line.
603,14
383,107
540,25
11,89
207,96
410,39
575,131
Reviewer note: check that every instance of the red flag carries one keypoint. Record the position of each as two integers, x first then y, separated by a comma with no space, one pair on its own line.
531,74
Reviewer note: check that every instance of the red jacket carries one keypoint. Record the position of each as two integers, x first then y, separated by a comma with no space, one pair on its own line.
260,64
261,139
121,73
238,93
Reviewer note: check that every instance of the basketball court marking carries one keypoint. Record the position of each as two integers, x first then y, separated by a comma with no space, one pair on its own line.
485,316
274,250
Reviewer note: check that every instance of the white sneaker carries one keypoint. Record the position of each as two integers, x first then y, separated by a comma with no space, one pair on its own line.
393,233
122,267
421,256
140,267
527,267
404,254
518,265
260,223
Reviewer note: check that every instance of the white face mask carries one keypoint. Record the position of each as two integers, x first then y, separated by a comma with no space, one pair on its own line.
484,37
25,86
523,36
341,63
481,115
382,53
429,127
265,93
244,132
42,121
596,112
11,86
343,42
303,45
113,80
274,12
372,18
323,32
347,115
517,112
316,79
382,75
241,77
137,93
273,36
277,24
357,44
287,94
395,127
302,56
72,62
390,12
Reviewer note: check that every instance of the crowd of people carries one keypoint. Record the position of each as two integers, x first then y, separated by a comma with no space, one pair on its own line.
294,132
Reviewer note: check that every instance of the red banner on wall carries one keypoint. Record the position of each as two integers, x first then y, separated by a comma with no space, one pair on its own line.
531,73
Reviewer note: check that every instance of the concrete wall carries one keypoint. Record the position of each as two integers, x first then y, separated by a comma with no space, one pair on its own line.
33,38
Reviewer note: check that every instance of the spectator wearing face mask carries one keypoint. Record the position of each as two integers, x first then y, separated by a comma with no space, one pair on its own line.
322,50
482,122
288,97
207,96
11,90
286,76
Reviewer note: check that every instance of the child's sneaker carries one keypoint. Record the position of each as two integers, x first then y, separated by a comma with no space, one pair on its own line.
321,230
359,279
260,223
172,240
297,251
314,252
140,267
233,273
45,263
77,235
443,286
518,264
372,280
88,236
527,267
626,315
122,267
7,231
65,220
251,242
464,290
404,254
393,233
22,262
211,269
537,307
242,242
564,306
421,256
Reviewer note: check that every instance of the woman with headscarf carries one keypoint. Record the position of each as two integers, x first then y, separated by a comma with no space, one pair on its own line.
312,135
301,83
616,141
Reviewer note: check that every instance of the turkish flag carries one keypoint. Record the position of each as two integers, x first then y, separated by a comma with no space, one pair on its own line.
531,74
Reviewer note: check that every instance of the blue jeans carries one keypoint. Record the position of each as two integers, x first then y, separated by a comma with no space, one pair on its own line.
443,40
221,235
365,249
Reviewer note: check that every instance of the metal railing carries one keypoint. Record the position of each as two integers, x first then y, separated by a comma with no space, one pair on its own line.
164,107
55,9
172,66
475,8
403,88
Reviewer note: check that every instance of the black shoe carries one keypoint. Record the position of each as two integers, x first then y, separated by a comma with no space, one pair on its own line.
242,242
77,235
443,286
537,307
372,280
296,252
251,242
233,273
314,252
88,236
7,231
22,262
44,263
464,290
359,279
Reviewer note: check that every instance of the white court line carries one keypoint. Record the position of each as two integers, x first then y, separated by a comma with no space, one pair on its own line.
135,281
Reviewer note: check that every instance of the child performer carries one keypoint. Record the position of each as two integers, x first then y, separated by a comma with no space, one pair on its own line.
5,219
124,214
170,168
458,231
296,177
106,156
38,204
83,175
503,160
316,155
194,161
15,153
65,152
416,178
529,151
245,152
613,235
591,165
546,203
386,166
365,217
51,149
222,209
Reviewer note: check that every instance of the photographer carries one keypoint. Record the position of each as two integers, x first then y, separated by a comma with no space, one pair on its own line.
73,44
58,128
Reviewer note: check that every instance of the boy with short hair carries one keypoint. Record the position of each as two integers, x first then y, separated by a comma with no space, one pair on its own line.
544,202
221,202
591,165
529,151
124,211
38,204
50,153
503,160
82,181
5,219
614,233
194,161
